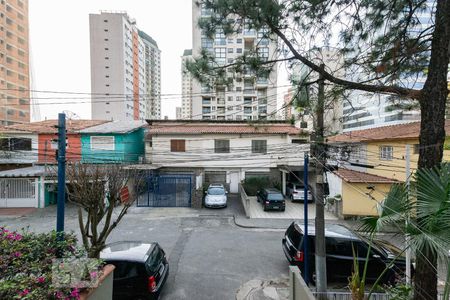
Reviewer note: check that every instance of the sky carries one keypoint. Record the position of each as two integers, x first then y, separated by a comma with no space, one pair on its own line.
59,49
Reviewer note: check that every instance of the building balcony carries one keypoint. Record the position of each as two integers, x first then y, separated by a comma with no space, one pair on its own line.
249,91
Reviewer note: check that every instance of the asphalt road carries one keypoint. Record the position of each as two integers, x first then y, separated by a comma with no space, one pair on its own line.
209,256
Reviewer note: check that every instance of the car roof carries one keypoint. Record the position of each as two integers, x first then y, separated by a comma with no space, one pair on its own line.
272,190
128,251
331,230
216,185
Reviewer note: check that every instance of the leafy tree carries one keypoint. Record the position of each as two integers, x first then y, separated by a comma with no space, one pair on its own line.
385,45
103,194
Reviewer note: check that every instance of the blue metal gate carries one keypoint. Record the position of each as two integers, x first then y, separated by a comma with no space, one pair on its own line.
166,190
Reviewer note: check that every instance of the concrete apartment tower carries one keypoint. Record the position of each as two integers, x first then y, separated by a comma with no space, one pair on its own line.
152,64
118,79
14,60
250,97
186,86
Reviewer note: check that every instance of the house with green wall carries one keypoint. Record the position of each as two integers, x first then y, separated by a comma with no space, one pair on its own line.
113,142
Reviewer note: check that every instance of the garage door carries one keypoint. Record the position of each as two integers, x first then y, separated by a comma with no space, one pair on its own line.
215,177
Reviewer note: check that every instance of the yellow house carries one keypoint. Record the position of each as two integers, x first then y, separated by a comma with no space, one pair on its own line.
369,161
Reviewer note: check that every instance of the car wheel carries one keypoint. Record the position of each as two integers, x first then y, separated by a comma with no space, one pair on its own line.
292,198
264,208
283,209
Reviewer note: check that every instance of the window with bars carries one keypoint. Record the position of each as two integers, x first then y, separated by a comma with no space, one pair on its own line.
386,152
177,146
259,146
221,146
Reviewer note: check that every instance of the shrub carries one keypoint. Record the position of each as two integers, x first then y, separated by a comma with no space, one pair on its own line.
26,261
254,184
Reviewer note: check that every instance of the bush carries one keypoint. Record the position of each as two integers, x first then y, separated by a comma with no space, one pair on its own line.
26,265
254,184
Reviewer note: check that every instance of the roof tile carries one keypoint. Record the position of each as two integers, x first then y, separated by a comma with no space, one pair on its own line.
362,177
223,128
392,132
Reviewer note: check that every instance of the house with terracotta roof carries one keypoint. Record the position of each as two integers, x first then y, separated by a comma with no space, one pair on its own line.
369,161
226,151
25,181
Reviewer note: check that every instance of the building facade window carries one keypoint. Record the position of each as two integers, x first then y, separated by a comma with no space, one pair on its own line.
259,146
386,152
102,143
177,146
221,146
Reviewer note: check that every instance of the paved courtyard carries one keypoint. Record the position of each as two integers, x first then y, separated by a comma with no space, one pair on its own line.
294,210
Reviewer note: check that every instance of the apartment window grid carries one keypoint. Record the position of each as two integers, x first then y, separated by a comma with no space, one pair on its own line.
220,38
263,53
386,152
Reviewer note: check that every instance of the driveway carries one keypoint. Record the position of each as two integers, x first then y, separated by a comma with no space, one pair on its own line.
294,210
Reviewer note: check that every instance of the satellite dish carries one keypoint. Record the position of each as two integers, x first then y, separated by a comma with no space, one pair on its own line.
70,115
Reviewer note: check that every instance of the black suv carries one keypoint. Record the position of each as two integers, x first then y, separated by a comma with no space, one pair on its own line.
340,243
141,269
271,199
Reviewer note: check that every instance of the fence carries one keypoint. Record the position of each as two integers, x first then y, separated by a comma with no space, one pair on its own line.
298,290
337,295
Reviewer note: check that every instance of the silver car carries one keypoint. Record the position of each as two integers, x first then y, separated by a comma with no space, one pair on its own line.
216,196
296,192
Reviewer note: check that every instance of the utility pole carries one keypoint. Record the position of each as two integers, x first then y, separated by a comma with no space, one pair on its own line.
305,234
318,151
61,157
408,250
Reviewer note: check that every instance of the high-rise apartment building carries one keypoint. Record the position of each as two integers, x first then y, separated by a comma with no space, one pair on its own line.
14,61
368,110
186,86
119,74
152,76
178,110
247,96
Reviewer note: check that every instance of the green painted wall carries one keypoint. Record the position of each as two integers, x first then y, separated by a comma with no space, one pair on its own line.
128,148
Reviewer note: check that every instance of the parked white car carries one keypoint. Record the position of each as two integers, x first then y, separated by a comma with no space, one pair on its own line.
216,196
296,192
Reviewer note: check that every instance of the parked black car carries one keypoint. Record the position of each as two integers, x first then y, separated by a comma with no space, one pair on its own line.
340,242
141,269
271,199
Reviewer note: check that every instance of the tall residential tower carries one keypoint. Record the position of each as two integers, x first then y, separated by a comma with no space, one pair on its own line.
14,61
121,70
152,56
248,97
186,86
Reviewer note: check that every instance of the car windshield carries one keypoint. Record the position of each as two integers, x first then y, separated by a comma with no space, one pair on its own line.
216,191
275,196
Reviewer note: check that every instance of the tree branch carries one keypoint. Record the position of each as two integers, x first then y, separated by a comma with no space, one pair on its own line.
392,89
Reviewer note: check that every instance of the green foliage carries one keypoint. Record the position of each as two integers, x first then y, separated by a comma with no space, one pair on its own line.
399,292
254,184
427,208
26,265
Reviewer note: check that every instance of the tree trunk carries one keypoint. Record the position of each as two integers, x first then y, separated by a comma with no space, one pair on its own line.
432,134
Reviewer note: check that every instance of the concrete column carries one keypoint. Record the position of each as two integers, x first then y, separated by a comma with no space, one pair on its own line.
283,182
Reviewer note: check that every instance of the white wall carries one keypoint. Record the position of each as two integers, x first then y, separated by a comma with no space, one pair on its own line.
200,152
21,156
334,184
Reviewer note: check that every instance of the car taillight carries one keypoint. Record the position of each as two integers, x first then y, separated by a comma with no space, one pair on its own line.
152,284
299,256
267,202
294,192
